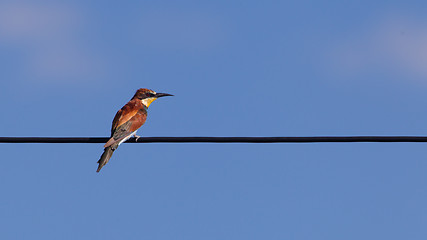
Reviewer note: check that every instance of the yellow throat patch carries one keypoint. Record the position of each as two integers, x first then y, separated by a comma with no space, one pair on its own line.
148,101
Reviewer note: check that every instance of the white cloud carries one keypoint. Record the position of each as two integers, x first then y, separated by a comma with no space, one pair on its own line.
19,21
394,45
48,34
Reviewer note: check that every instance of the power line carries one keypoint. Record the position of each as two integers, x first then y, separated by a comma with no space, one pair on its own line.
318,139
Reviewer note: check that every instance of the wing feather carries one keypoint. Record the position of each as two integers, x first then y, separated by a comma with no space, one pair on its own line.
126,129
125,114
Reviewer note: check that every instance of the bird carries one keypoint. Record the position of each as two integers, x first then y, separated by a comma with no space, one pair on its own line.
128,120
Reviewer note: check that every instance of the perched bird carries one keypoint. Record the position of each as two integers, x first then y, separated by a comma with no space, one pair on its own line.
127,121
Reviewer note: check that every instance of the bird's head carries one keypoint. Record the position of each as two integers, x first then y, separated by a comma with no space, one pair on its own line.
147,96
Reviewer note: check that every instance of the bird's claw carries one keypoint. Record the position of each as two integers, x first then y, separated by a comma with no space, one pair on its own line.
136,137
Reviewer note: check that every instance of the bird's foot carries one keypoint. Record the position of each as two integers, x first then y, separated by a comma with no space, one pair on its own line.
136,137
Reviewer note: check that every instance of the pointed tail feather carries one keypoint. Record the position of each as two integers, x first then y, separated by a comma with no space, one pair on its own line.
108,152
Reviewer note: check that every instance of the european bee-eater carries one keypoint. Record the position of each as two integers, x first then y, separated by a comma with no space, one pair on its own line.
127,121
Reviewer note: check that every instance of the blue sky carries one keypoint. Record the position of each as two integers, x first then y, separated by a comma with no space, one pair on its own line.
236,68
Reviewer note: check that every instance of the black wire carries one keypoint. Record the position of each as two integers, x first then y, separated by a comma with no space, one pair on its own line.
319,139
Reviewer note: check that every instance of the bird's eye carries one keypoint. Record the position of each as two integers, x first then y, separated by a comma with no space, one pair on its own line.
151,94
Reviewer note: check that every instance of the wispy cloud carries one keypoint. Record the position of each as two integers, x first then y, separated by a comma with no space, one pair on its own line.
394,45
49,36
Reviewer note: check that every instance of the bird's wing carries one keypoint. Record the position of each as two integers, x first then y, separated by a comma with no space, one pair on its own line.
126,129
124,114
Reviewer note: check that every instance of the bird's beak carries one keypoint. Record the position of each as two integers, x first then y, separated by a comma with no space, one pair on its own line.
162,95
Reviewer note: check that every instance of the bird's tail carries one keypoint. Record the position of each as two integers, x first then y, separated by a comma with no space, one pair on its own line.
108,152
